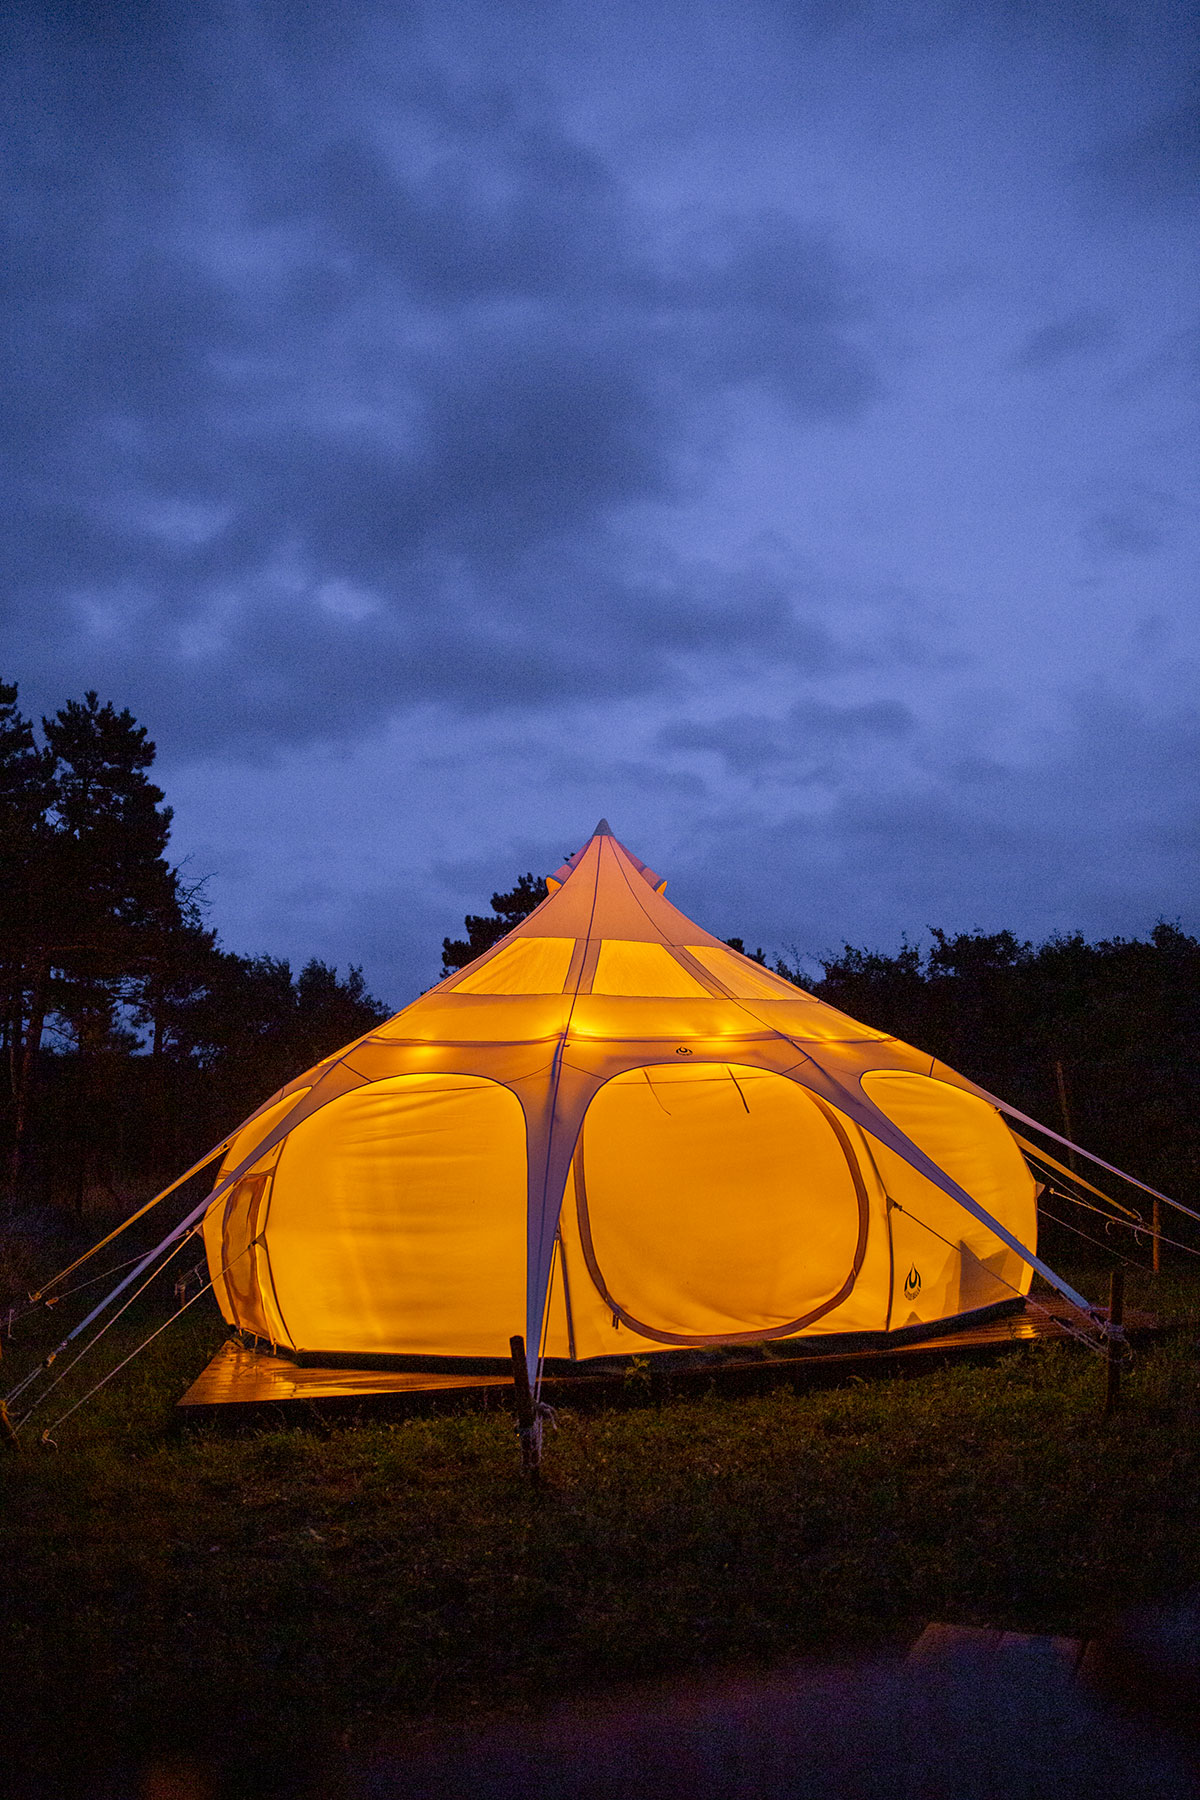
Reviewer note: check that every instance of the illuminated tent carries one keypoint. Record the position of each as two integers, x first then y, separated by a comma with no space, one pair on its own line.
615,1134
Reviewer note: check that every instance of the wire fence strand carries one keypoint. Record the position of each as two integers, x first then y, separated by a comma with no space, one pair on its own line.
1139,1228
1087,1237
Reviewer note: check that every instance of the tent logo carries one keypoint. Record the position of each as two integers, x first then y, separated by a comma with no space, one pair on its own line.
912,1283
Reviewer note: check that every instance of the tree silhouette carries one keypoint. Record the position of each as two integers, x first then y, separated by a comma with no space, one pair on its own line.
484,930
26,882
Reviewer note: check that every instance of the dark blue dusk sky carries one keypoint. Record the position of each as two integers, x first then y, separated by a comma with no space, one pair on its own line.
772,426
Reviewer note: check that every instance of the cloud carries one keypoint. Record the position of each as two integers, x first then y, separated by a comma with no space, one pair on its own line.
431,353
1121,531
1156,166
1131,521
755,745
537,416
295,657
1097,829
1092,824
1080,333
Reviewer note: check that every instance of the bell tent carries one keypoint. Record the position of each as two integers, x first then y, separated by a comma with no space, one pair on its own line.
613,1133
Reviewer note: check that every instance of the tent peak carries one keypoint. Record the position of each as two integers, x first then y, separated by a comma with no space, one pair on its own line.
578,859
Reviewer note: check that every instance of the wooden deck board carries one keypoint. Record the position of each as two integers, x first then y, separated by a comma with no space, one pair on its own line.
240,1380
237,1374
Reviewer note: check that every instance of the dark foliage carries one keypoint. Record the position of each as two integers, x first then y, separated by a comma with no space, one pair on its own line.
1098,1041
131,1039
758,956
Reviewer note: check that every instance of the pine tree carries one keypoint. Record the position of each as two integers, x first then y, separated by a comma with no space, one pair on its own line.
117,902
91,904
26,794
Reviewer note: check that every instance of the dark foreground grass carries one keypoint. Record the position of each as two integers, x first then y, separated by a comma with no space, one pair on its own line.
258,1601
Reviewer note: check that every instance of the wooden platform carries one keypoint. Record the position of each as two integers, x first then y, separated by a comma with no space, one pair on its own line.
238,1376
240,1381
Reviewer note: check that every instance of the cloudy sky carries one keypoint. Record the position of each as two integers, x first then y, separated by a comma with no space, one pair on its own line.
770,423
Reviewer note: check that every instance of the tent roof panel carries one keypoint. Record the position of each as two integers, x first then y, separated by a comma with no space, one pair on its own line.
633,967
531,965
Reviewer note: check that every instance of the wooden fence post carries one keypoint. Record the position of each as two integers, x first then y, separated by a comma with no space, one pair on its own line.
526,1411
1116,1340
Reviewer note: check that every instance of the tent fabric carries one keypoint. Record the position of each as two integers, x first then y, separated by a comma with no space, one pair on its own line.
614,1133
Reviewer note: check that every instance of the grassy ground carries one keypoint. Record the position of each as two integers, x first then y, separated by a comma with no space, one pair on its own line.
260,1599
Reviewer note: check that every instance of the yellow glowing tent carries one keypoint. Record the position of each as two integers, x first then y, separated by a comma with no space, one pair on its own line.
615,1134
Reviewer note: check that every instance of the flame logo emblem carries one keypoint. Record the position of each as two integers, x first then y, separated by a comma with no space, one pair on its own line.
912,1283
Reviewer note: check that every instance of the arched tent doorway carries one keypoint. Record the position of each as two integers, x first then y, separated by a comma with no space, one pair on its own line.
393,1222
713,1203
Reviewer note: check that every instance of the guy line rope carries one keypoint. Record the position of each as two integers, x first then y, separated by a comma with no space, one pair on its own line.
47,1435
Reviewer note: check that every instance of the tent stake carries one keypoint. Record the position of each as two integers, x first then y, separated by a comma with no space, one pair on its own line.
526,1412
1116,1340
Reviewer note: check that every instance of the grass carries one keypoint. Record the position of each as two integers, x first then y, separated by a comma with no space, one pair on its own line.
259,1600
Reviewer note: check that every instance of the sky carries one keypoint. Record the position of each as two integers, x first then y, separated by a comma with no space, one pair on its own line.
772,426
